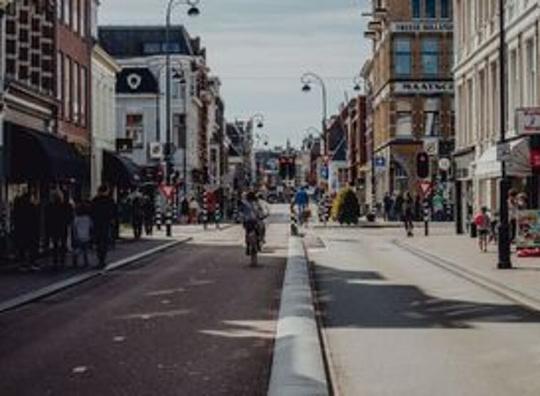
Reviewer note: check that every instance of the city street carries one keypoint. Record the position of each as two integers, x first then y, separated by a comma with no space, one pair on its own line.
396,324
195,320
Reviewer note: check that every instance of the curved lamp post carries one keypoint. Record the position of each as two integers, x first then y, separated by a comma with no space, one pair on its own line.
308,79
193,11
358,82
258,120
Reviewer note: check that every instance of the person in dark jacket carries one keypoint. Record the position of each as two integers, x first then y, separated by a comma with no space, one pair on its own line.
103,214
149,214
137,215
26,230
58,217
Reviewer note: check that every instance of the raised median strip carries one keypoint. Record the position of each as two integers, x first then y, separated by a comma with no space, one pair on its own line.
78,279
475,277
298,362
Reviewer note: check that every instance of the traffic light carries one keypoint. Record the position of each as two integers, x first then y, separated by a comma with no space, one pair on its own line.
292,168
159,176
283,167
422,165
170,171
534,156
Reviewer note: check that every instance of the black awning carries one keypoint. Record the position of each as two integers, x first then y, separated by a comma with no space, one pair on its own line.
38,156
120,171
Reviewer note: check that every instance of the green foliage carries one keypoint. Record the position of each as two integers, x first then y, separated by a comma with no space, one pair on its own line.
345,208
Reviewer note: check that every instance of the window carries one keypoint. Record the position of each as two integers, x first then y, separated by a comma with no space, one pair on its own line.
416,9
84,93
75,20
445,9
60,9
402,56
404,122
75,75
82,17
135,129
151,48
67,88
59,77
179,130
430,56
432,122
530,71
431,9
67,12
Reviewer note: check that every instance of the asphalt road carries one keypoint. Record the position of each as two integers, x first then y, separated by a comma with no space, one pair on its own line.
398,325
193,321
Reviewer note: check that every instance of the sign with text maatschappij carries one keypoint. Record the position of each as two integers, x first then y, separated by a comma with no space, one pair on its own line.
528,229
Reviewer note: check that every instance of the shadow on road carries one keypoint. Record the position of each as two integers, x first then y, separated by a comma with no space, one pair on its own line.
366,300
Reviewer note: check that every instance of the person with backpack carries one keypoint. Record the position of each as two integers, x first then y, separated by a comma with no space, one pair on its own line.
483,225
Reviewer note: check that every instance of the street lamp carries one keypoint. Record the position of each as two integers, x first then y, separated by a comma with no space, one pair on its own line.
258,120
504,260
193,11
357,81
308,79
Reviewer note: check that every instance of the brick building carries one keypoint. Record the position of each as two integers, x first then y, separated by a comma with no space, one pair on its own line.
411,89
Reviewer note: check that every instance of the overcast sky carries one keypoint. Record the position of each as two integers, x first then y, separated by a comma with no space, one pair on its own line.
260,48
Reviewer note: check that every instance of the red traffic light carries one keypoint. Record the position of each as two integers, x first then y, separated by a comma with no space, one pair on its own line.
422,165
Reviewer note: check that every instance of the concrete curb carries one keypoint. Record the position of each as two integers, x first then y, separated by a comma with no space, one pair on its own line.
475,277
298,363
78,279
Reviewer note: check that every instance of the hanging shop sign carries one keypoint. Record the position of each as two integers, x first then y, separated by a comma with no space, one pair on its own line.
423,87
528,121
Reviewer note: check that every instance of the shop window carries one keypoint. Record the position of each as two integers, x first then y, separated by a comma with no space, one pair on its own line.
179,130
404,121
402,56
135,129
430,56
432,122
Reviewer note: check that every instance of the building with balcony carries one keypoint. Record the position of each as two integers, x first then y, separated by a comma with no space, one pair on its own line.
411,90
477,81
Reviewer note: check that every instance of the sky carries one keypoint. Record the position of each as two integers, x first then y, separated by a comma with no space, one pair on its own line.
260,49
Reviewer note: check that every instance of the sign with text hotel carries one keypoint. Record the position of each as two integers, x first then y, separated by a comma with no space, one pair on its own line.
423,87
421,27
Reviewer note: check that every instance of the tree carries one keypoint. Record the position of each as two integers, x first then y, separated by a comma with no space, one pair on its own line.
346,209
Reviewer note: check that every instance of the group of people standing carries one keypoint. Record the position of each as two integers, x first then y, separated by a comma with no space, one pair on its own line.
84,224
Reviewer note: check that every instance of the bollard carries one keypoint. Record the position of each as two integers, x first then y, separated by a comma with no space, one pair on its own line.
168,221
217,215
205,210
293,222
327,210
426,217
158,218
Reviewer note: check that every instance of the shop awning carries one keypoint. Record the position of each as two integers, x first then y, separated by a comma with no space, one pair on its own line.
37,156
120,171
488,167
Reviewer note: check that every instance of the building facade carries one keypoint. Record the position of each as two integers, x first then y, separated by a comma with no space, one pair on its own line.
411,84
104,70
477,79
141,101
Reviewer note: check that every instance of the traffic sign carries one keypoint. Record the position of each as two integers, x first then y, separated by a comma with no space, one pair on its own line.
425,187
380,162
167,191
444,164
431,146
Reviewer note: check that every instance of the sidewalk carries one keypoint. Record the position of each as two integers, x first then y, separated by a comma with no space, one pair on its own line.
18,288
460,254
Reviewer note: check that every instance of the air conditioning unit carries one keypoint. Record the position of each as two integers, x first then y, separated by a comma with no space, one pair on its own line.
155,150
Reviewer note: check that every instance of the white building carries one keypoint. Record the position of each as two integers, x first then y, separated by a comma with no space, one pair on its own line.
141,100
104,70
478,129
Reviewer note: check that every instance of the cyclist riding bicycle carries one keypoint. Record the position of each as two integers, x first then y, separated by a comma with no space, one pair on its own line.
252,215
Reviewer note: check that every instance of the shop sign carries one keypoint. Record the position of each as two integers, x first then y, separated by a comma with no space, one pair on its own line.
504,152
422,26
379,162
528,233
528,121
423,87
431,146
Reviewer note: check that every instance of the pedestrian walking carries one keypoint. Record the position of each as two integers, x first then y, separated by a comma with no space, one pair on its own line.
483,225
103,213
398,207
418,212
194,209
81,233
387,203
184,211
149,214
137,215
408,214
513,213
301,201
58,217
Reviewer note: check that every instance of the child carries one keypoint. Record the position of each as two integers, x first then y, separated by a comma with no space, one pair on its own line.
483,225
81,229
